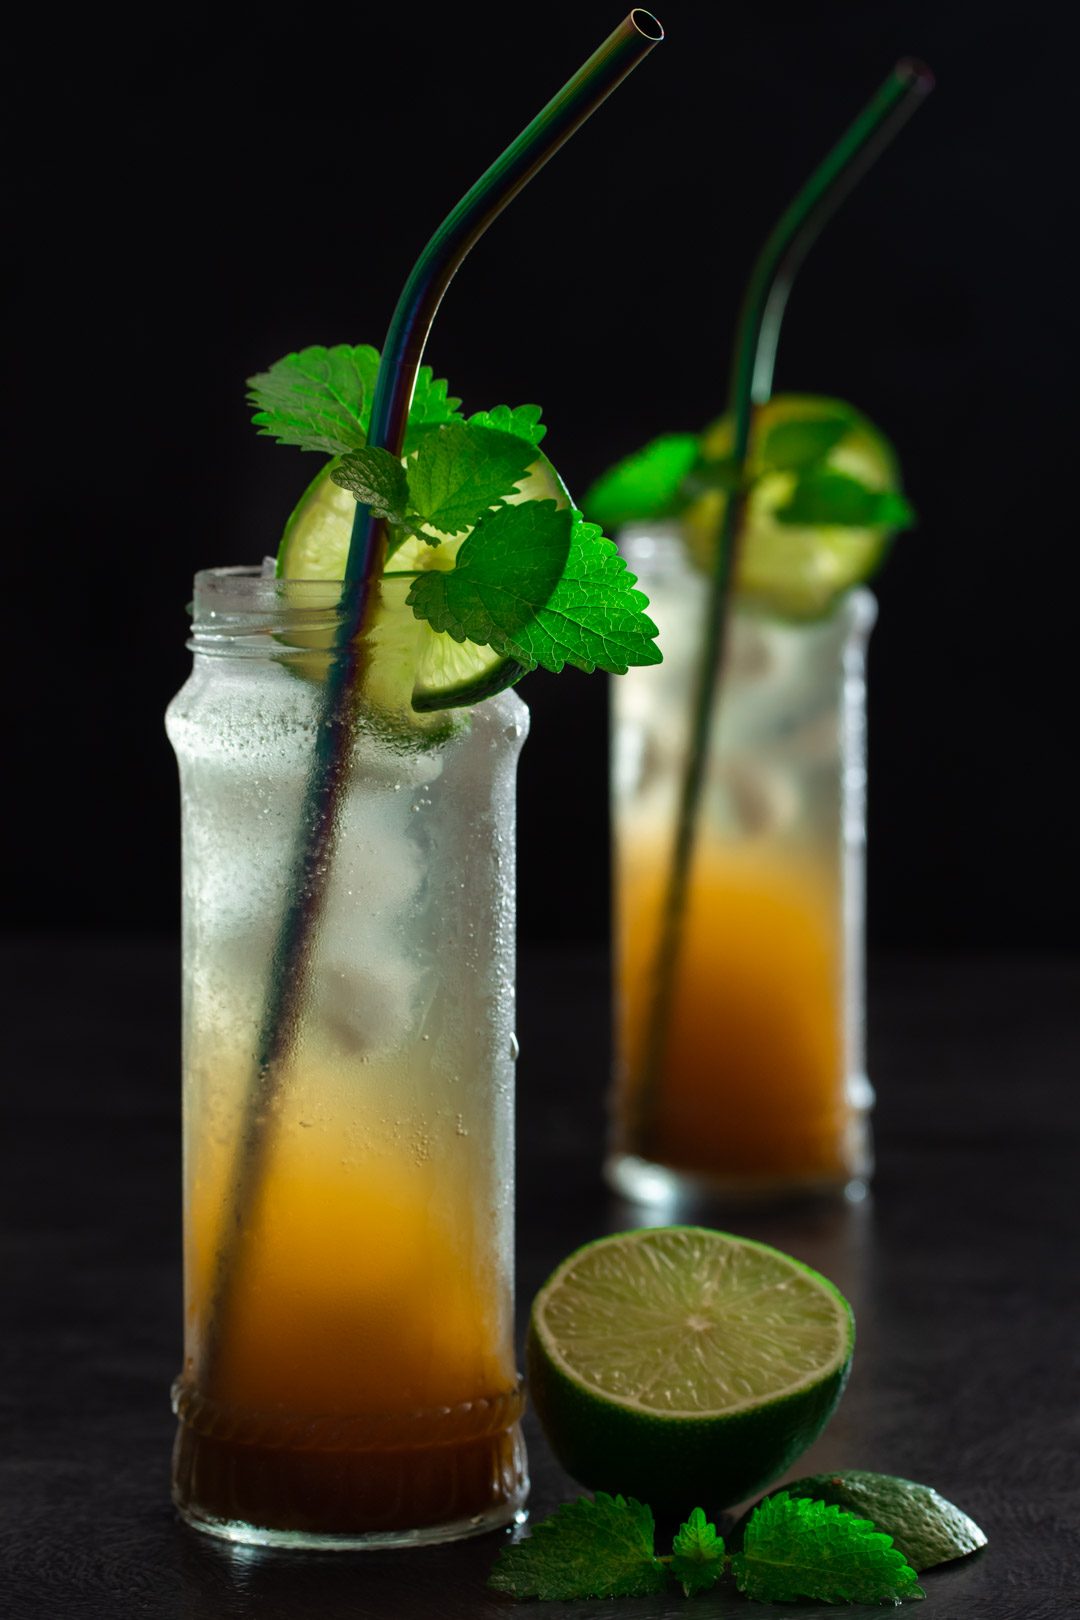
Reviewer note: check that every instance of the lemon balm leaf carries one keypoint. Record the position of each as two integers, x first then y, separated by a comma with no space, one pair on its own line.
644,485
802,1549
835,499
924,1526
505,572
523,421
432,405
376,478
320,399
586,1549
542,586
432,402
790,446
594,618
697,1554
723,473
316,398
460,470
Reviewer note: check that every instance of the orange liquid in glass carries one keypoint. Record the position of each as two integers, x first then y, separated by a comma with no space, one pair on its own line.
361,1381
752,1082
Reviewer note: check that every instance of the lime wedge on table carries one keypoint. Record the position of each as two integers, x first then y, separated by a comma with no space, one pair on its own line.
926,1528
412,665
685,1366
790,569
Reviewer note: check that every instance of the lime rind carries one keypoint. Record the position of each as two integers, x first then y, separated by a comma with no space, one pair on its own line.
924,1526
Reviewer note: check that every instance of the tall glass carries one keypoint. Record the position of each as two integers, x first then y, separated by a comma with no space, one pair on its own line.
349,1375
761,1089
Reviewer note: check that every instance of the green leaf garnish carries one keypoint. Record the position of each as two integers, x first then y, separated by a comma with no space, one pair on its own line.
315,398
601,1548
594,619
835,499
926,1528
461,470
807,1549
523,421
377,479
645,485
791,446
320,399
432,404
697,1554
543,586
504,573
531,579
721,473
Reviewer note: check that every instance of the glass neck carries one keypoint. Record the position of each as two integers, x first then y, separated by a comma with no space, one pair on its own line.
245,613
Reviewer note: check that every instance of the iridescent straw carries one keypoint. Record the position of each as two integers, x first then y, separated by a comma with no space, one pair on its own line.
756,338
402,353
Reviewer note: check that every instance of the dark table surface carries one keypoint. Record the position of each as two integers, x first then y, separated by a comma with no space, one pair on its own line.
962,1269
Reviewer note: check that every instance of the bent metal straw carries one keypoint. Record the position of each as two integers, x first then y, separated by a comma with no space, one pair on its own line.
402,353
756,338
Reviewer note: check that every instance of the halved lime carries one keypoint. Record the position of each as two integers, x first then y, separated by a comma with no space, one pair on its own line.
790,569
685,1366
413,665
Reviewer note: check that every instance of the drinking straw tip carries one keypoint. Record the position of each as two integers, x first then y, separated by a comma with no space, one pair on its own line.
643,22
918,76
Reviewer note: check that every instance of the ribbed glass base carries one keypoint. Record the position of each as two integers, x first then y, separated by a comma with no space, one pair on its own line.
273,1479
251,1535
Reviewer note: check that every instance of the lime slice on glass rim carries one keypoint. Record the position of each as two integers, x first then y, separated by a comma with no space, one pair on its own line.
412,665
793,570
682,1365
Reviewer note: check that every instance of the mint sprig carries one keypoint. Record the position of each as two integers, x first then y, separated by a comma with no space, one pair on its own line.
523,421
594,618
377,479
598,1548
796,1549
791,446
315,399
925,1527
505,574
697,1554
648,484
462,470
826,497
668,474
791,1549
543,587
320,398
458,472
531,579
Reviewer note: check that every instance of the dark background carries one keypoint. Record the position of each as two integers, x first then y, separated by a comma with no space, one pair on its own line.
196,196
